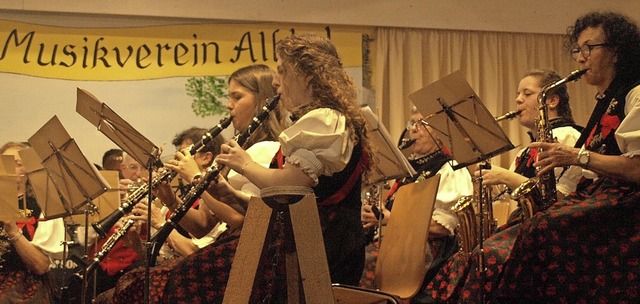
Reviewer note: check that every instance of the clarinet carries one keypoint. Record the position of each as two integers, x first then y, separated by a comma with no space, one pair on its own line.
196,191
102,227
108,245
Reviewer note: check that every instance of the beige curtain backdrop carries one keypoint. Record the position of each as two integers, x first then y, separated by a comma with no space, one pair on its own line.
409,59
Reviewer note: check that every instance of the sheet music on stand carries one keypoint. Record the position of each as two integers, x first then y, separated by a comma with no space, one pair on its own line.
108,201
392,163
117,129
461,121
9,210
48,196
76,180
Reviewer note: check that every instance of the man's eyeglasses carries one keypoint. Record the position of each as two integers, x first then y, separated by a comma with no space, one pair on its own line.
416,123
585,50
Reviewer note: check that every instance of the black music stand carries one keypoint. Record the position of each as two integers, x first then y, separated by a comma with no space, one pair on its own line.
76,180
459,118
53,203
128,139
70,180
391,163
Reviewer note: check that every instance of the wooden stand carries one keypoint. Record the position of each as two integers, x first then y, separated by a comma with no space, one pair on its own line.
307,265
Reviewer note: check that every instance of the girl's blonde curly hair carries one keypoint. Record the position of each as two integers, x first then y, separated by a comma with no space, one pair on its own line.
316,58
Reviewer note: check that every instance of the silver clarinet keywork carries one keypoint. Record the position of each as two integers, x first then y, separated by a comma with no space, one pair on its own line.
108,245
212,172
102,227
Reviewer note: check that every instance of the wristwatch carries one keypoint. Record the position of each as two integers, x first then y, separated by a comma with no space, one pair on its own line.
583,157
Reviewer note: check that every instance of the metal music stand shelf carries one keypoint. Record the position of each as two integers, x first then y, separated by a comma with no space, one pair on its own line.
391,163
461,120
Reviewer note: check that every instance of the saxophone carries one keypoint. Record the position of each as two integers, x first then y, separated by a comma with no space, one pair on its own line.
475,216
539,193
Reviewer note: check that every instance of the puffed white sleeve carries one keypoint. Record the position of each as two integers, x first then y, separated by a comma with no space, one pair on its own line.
319,143
49,236
628,133
570,177
453,185
262,153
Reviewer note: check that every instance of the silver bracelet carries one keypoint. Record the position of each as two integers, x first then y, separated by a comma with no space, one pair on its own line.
13,239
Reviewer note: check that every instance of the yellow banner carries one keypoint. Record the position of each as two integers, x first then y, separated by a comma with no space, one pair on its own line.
152,52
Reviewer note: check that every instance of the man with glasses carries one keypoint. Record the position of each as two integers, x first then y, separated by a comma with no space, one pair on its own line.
428,157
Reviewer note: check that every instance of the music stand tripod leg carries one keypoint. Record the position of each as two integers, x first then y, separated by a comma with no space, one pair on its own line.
247,256
312,259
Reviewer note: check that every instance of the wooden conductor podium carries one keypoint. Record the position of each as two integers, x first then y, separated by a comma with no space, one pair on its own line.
307,265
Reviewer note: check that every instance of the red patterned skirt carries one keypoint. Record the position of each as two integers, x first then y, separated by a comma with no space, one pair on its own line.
459,279
21,286
585,249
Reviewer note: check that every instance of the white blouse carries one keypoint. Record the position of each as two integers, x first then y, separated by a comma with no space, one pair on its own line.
318,143
453,185
569,181
628,133
49,237
262,153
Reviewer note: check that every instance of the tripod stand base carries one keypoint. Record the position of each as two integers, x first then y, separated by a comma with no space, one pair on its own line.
307,265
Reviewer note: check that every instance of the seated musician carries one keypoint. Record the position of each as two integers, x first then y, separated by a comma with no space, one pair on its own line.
180,242
249,89
429,157
26,246
457,280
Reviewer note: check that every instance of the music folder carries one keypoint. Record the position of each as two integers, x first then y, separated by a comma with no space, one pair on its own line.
9,210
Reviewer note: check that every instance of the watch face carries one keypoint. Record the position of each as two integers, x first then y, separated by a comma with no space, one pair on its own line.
584,158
